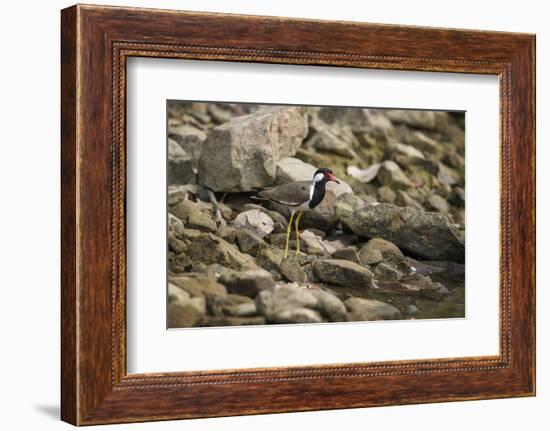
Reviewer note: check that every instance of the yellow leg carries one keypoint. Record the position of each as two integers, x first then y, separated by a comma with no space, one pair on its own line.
297,234
288,234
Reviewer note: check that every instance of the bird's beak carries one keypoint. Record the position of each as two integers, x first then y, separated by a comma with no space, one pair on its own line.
333,178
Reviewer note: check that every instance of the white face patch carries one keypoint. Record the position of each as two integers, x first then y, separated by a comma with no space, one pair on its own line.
318,177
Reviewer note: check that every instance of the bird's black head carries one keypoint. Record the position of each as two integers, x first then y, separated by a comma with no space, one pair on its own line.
324,175
317,191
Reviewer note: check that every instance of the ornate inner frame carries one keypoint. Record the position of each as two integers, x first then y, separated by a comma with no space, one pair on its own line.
96,42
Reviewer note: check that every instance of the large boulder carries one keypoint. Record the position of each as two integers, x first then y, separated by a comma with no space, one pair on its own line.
242,154
423,234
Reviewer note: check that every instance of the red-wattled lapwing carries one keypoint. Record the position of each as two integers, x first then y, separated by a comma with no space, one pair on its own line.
298,197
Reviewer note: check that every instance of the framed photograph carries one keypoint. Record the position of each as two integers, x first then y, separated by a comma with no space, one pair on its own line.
322,214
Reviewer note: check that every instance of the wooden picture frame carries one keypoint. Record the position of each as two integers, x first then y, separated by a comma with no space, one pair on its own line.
96,41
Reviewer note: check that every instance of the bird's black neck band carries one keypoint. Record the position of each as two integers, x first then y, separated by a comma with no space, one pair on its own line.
318,193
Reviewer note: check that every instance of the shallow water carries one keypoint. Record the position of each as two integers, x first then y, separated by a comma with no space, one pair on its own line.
416,307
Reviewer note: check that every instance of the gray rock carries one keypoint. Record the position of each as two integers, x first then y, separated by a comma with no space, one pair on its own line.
265,137
277,217
198,286
297,315
190,234
384,271
423,143
313,244
248,241
228,234
184,315
269,257
414,285
370,309
256,221
403,199
390,174
437,203
292,271
199,303
183,192
404,154
239,299
427,235
347,253
175,226
378,121
341,241
209,249
450,270
218,113
177,294
237,201
244,309
343,273
247,283
271,303
364,175
329,305
378,250
411,309
176,245
447,175
291,169
180,164
279,240
429,289
455,160
457,196
416,118
386,194
234,321
178,263
190,139
184,208
201,221
325,140
354,117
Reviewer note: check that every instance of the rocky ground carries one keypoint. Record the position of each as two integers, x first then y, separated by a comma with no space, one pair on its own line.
386,243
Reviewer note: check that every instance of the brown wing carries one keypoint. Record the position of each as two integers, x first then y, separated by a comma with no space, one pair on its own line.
291,194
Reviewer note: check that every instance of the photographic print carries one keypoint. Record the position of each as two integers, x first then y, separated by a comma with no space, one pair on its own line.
283,214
